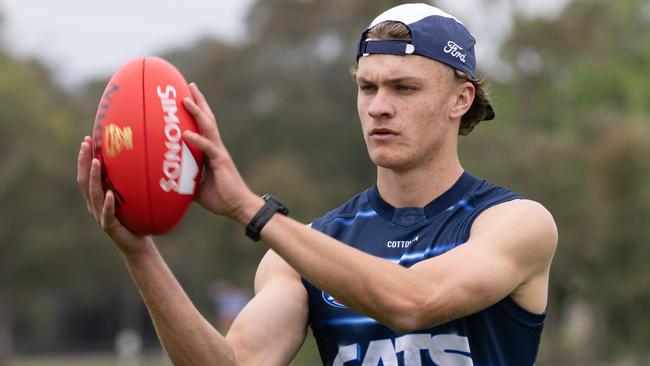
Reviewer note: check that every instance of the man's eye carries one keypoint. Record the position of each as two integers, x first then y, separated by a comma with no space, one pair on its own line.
367,88
404,88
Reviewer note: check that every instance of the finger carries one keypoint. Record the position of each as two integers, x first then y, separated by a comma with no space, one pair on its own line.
83,171
200,100
208,147
96,192
108,211
83,166
207,126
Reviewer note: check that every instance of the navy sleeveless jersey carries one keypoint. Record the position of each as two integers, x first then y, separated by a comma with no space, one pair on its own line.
504,334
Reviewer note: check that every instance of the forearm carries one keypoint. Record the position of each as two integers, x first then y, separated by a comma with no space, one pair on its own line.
373,286
185,334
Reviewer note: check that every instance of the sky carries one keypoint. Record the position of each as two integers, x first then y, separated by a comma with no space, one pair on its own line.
492,23
84,39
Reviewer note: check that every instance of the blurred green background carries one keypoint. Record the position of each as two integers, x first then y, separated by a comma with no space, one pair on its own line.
572,93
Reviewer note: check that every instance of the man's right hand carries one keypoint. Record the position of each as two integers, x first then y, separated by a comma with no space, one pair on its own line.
101,205
188,338
222,191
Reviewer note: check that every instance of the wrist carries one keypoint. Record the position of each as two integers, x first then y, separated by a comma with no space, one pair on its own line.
141,251
271,206
247,209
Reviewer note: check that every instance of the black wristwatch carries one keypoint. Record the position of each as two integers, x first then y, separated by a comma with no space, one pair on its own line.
271,206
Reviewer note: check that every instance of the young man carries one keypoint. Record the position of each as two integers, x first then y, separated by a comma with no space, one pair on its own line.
431,266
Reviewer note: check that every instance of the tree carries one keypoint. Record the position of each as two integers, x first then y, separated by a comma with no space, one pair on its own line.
577,109
34,134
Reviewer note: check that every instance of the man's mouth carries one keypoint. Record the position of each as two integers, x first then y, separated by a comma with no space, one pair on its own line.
382,132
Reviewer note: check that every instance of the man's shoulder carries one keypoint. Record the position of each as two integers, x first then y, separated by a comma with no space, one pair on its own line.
519,212
502,213
527,222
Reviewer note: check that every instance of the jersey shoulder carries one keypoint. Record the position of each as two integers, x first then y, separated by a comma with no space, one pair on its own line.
485,191
346,211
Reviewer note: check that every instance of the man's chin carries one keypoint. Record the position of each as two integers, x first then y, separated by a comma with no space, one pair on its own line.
388,162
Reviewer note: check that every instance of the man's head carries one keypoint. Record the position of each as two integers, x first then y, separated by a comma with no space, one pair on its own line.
423,30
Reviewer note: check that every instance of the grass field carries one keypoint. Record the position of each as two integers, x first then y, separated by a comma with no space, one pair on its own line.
88,360
308,356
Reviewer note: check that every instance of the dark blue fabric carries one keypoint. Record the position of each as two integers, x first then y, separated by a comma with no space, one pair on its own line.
436,37
503,334
385,47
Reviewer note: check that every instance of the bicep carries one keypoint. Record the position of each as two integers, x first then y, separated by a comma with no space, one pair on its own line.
509,245
465,280
273,325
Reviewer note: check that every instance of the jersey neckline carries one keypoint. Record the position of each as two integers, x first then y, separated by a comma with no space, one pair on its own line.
405,214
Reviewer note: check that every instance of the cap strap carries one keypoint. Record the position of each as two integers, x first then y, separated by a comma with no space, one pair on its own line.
391,47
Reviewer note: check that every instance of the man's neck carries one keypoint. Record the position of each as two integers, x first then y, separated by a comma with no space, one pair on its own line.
417,187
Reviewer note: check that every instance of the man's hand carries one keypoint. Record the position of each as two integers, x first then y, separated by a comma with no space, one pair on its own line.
223,191
102,205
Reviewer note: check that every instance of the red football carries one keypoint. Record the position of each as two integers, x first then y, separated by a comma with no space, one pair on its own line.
138,138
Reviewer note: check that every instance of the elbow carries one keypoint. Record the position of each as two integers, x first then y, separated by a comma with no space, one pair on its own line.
410,315
231,359
404,325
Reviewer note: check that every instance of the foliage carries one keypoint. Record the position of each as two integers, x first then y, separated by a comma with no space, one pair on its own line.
580,122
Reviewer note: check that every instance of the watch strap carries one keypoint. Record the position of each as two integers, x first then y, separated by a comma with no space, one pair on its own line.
262,217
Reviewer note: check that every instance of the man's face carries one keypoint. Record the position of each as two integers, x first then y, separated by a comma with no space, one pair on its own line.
404,105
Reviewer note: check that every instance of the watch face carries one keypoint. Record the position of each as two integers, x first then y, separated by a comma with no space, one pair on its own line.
275,204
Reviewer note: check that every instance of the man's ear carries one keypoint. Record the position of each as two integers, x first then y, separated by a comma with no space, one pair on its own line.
463,99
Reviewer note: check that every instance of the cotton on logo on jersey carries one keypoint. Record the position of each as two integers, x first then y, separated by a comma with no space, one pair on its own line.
179,167
442,349
402,243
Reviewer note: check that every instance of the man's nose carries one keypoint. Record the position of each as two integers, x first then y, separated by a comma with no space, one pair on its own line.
380,105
